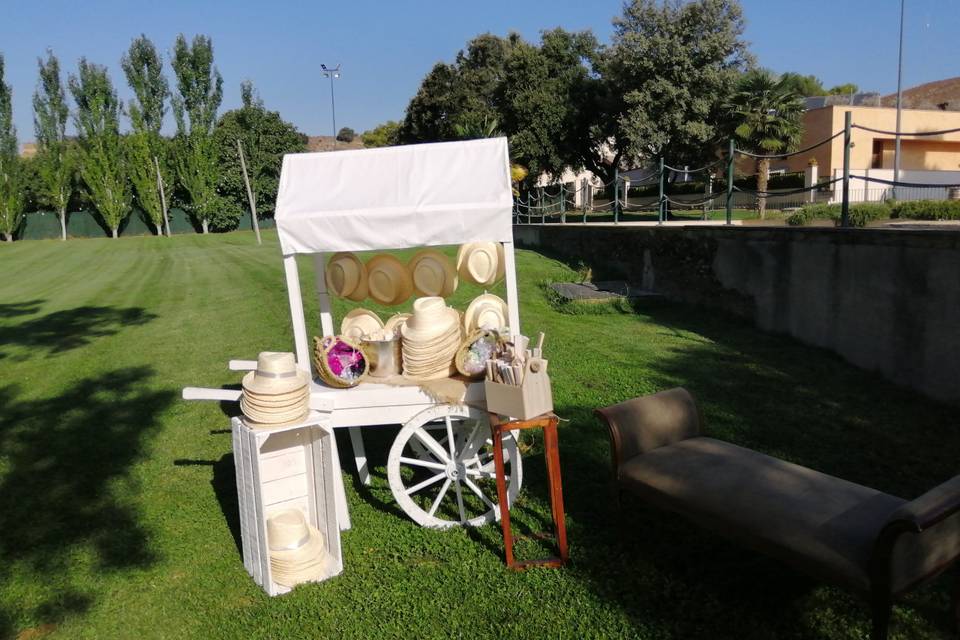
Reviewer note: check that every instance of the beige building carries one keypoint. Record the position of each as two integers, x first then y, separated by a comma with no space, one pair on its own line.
875,150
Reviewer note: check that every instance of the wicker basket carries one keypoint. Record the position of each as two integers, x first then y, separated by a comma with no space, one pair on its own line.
321,361
472,337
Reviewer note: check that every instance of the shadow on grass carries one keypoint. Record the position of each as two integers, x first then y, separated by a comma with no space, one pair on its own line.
65,510
773,394
66,329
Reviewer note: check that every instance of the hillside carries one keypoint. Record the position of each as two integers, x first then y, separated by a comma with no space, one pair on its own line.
942,94
325,143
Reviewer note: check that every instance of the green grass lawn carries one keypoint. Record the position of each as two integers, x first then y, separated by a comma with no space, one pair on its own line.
118,515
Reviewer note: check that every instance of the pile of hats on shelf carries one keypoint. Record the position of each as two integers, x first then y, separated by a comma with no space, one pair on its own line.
431,337
277,393
297,551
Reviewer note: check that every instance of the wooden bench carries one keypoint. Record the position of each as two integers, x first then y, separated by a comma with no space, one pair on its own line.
872,543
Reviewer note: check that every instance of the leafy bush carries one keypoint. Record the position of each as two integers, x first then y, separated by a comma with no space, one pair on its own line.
346,134
798,218
865,212
927,210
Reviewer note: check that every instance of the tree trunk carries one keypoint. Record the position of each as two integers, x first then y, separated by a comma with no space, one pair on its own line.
8,237
763,172
159,230
63,225
206,226
113,231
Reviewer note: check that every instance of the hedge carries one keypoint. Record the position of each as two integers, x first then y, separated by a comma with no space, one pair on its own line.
860,213
927,210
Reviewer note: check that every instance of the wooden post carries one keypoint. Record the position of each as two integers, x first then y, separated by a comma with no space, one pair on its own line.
253,203
661,209
845,205
730,182
563,203
163,197
616,194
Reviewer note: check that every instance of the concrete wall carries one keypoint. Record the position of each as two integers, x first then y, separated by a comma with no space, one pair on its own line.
887,301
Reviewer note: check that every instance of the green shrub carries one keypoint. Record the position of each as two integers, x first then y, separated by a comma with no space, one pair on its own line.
819,212
798,218
927,210
863,213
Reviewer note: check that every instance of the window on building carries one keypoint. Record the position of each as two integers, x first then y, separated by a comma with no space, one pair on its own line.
877,162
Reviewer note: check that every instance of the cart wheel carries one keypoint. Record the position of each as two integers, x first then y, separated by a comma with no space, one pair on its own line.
441,468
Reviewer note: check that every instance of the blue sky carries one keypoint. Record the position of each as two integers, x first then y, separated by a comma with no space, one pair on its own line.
385,48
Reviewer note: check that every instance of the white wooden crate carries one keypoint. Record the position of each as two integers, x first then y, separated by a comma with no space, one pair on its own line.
290,467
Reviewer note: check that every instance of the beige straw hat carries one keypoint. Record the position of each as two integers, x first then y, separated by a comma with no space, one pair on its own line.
433,273
481,262
346,276
388,281
394,322
359,323
485,312
276,374
297,551
431,337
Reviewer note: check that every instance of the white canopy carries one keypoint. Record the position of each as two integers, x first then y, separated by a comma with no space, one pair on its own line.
395,197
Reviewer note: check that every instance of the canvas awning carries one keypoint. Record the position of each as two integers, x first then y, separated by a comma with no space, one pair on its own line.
395,197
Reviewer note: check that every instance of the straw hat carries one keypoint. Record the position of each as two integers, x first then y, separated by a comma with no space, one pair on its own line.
432,273
388,281
393,324
359,323
431,337
276,374
297,551
346,276
481,262
487,312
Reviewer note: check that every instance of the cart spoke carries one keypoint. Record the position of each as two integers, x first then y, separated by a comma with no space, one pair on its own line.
473,444
416,462
439,499
425,483
432,445
473,487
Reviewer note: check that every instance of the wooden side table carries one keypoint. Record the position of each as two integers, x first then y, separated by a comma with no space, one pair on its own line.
547,422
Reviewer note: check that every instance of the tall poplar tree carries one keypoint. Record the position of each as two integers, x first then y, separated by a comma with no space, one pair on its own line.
144,71
102,164
199,93
11,193
55,158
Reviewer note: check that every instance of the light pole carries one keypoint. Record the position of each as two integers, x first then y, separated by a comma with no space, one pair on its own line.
332,73
896,144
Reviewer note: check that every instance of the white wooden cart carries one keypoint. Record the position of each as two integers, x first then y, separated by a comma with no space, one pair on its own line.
440,466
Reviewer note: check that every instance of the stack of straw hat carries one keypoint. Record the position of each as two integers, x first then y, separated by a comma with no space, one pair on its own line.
277,393
297,552
431,337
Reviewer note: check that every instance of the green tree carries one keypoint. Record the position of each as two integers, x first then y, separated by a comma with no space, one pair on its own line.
766,118
265,137
200,92
102,160
803,85
383,135
55,159
11,192
144,71
843,89
346,134
669,71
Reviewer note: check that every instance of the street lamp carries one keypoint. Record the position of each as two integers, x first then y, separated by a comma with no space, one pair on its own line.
332,73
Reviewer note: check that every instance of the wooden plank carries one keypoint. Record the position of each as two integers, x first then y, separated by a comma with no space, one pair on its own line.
513,299
301,344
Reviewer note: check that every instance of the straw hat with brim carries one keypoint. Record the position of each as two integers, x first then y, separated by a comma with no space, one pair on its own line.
297,551
254,424
432,273
481,262
485,312
276,374
359,323
260,414
393,324
346,276
431,318
277,402
388,281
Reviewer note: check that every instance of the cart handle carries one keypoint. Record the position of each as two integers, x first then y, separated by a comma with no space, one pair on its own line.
204,393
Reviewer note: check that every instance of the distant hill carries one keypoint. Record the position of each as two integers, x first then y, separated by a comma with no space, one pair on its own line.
325,143
942,94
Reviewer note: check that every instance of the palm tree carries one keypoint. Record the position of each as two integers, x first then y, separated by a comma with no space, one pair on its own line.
766,118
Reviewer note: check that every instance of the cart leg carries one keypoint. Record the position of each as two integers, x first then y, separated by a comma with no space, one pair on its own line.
340,493
359,455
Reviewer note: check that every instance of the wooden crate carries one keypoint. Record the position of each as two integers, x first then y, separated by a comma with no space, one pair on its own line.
533,398
281,469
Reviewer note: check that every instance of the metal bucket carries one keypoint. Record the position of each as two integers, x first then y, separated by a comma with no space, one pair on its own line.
383,357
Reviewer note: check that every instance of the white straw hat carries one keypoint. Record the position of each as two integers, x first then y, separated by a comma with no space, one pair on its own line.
346,276
394,322
276,374
486,311
431,337
388,281
431,318
297,552
481,262
433,274
359,323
